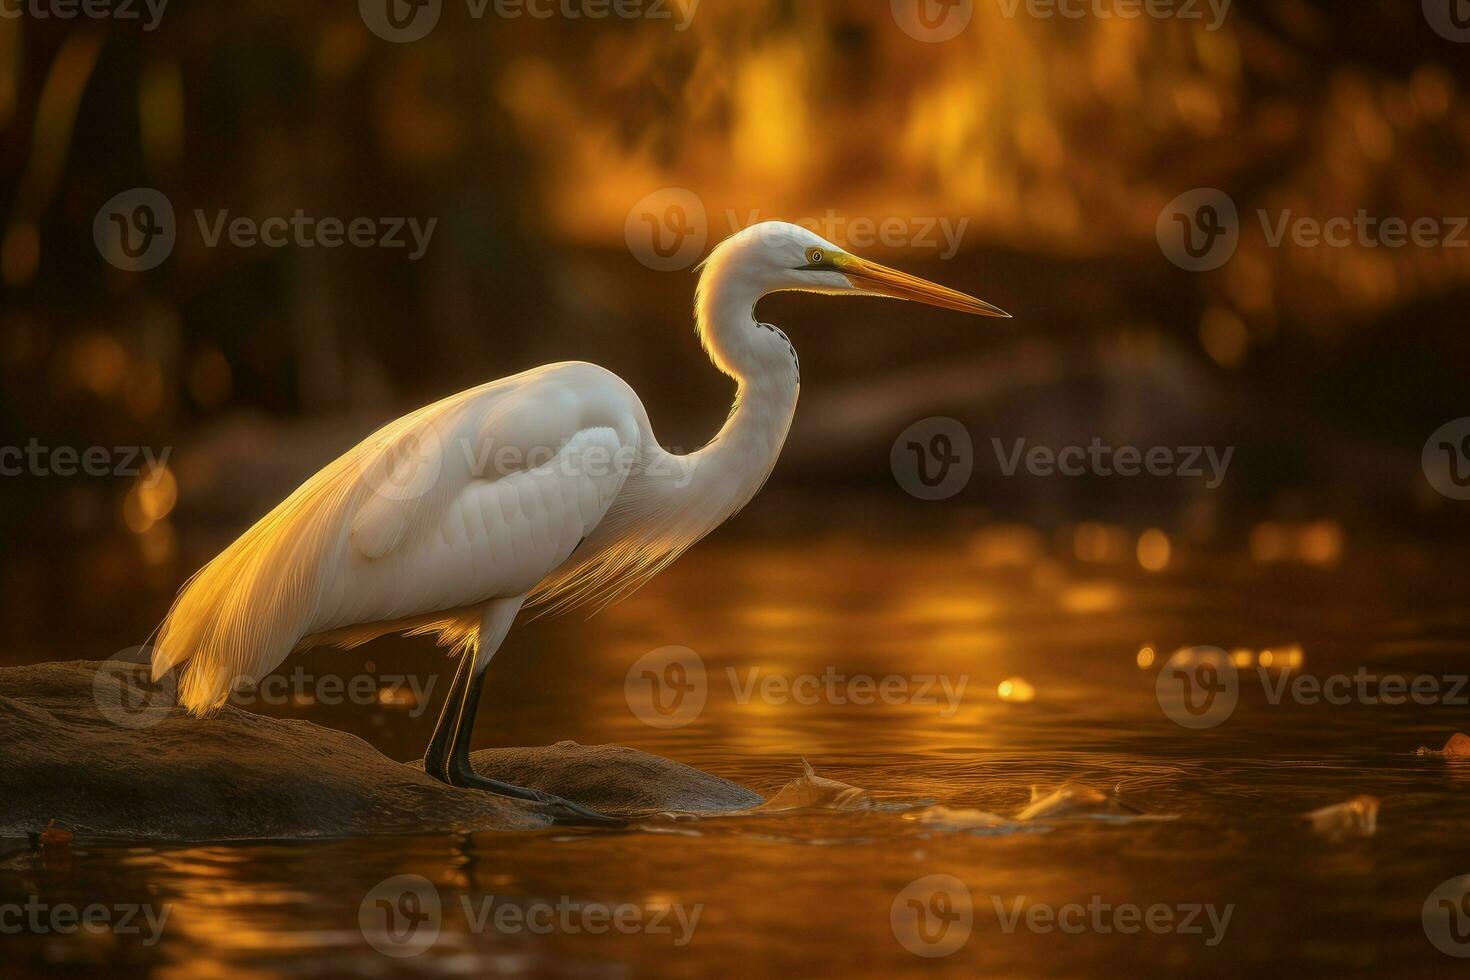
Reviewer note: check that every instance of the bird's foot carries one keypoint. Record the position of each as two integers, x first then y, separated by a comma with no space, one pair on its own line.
563,812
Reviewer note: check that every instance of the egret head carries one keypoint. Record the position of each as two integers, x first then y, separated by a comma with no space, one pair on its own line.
784,256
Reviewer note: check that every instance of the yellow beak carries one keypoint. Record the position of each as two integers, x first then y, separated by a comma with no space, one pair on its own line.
877,278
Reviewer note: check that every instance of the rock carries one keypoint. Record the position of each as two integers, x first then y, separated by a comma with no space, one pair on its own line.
813,792
1070,801
1358,817
1457,749
1074,800
960,819
99,751
614,779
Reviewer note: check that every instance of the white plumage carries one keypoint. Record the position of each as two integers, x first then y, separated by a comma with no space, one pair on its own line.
548,486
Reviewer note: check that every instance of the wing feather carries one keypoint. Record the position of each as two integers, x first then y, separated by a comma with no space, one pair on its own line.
414,527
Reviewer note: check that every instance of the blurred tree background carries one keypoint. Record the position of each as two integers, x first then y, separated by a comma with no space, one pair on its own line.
530,140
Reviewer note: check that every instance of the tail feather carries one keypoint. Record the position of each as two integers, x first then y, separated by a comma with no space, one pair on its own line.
258,600
458,629
244,612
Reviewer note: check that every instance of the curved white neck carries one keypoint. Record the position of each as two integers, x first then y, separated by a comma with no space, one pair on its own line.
674,500
763,363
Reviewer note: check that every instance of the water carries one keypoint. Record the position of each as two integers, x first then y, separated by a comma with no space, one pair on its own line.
819,892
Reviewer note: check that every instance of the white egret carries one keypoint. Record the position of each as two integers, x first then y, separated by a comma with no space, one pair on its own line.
548,486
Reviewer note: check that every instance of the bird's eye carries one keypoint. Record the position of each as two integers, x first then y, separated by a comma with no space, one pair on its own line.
815,256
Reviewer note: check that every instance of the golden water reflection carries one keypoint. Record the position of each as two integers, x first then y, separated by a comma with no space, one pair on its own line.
1050,692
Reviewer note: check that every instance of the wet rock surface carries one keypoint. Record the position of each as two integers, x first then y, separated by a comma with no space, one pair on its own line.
614,779
94,748
1457,749
811,791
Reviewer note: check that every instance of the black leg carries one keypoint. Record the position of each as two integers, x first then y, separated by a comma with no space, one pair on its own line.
436,757
448,755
